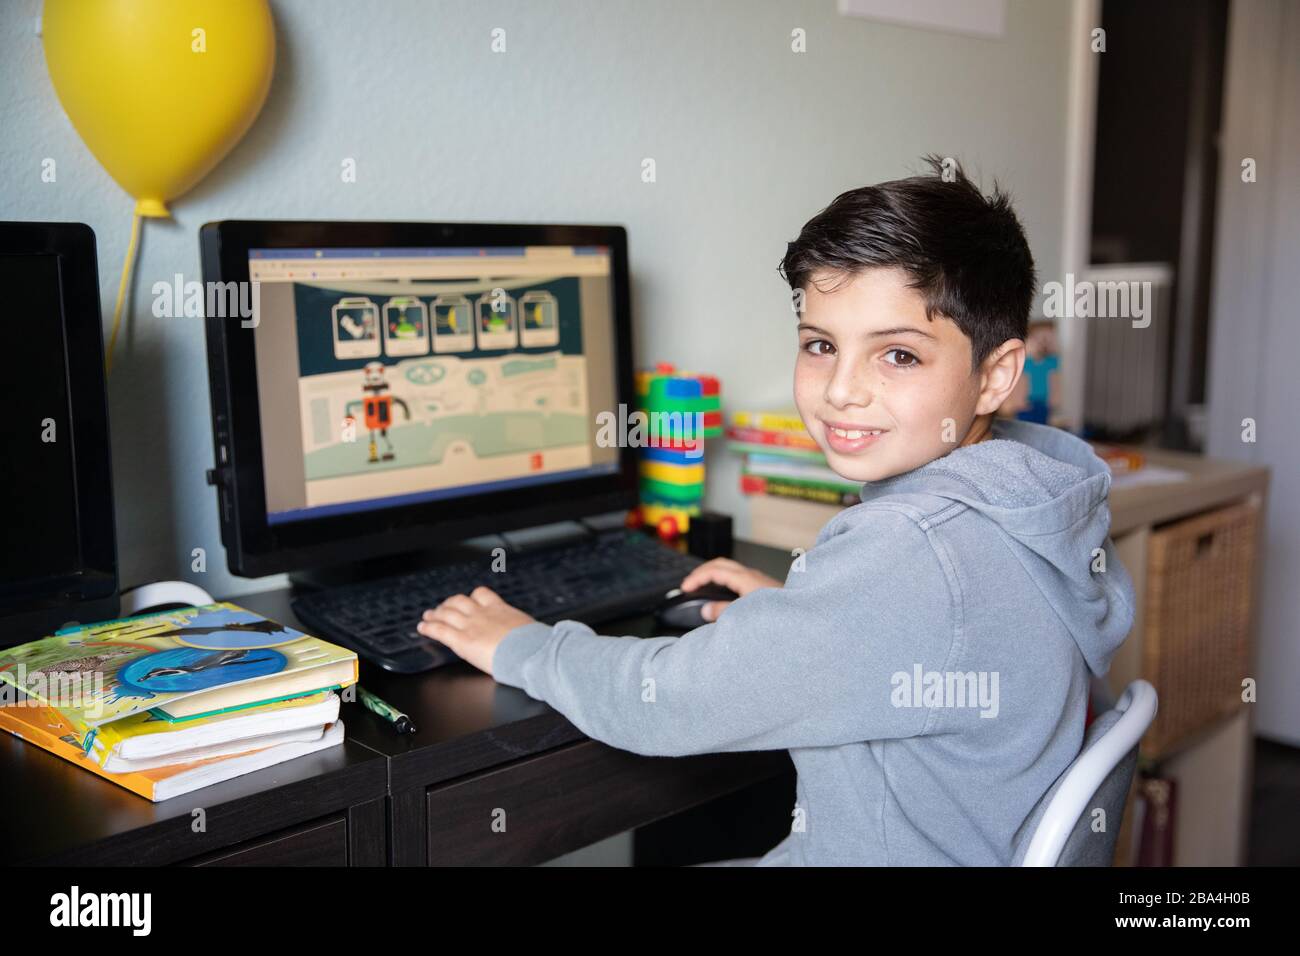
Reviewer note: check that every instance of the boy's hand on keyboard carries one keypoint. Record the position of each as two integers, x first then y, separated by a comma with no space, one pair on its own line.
730,574
472,625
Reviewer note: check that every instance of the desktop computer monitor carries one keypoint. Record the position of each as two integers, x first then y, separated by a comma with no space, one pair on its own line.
58,551
381,388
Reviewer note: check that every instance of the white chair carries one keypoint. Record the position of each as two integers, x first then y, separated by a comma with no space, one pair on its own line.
1060,829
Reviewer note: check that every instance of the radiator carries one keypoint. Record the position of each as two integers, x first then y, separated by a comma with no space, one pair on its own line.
1127,368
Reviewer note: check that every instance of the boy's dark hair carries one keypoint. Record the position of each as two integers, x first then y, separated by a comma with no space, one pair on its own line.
965,253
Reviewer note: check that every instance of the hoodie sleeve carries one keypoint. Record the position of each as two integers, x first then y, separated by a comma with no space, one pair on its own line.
813,664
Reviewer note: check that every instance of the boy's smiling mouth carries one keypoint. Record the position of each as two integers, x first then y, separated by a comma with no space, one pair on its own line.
846,438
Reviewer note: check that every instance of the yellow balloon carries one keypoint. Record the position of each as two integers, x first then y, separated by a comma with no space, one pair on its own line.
160,90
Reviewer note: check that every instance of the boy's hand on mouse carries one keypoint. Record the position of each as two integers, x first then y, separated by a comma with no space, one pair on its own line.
473,625
730,574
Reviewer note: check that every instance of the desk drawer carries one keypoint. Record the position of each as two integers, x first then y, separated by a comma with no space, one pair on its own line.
322,842
557,802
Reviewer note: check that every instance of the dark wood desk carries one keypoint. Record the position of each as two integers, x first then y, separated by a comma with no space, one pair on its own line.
491,777
326,808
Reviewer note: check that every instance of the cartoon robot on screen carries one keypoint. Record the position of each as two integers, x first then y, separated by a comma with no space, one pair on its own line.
378,406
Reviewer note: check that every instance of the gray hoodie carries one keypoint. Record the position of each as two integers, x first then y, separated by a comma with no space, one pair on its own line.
927,662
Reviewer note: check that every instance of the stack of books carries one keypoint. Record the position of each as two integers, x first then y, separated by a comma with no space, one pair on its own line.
792,491
167,703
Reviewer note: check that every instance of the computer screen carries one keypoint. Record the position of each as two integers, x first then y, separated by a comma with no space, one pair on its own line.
392,376
58,554
36,471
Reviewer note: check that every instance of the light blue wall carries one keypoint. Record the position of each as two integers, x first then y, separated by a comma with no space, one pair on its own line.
750,140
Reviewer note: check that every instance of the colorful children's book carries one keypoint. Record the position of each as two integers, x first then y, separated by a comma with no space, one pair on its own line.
161,712
778,466
802,490
770,440
785,451
48,729
125,743
786,420
186,662
112,763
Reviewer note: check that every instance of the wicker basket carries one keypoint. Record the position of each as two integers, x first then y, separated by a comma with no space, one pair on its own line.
1196,637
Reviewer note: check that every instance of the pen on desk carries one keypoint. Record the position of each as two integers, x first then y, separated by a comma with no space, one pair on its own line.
399,721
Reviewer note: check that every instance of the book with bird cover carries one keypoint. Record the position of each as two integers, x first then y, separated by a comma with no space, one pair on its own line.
183,663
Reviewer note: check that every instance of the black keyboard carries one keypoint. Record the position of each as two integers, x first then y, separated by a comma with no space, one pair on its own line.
602,578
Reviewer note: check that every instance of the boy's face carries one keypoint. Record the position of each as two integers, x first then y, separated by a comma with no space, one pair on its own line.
870,360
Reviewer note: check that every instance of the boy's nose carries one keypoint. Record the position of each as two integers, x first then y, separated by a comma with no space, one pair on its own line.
848,386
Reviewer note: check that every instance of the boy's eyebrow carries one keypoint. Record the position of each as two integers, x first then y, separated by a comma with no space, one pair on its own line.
899,330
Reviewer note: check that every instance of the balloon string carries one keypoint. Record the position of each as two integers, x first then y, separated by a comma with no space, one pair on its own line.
121,290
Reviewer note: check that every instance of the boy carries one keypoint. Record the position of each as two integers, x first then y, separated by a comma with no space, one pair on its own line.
927,662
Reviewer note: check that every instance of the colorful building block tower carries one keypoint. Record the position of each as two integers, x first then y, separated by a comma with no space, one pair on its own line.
682,409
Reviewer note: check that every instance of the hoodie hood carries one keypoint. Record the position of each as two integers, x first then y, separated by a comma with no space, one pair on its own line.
1046,490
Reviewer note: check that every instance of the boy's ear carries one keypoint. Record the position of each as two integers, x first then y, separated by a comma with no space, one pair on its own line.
998,375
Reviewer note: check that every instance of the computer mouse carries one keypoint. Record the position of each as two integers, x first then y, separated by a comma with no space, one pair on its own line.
683,610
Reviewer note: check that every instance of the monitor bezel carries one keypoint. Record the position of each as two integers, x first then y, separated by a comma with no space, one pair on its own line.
255,547
90,593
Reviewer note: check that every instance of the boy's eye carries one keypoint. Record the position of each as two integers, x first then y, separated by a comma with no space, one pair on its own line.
907,359
811,346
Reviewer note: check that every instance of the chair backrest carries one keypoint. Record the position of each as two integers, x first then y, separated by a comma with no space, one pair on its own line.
1060,830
